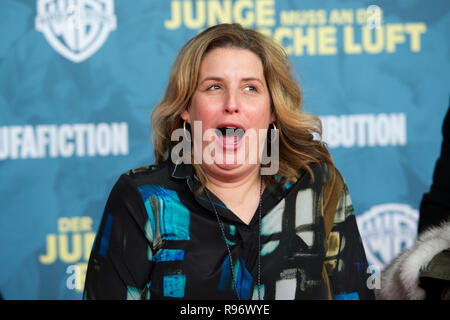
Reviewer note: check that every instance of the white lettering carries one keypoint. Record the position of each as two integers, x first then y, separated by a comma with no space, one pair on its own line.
66,140
4,143
15,131
365,130
374,280
29,149
66,148
119,136
103,139
74,280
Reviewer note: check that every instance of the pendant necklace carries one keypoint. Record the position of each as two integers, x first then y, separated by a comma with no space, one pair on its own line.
219,222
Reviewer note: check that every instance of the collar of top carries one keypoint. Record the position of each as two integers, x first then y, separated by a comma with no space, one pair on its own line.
181,170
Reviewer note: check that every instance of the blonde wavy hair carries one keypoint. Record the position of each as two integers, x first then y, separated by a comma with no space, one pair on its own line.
298,148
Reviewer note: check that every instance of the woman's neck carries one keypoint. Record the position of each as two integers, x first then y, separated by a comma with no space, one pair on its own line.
223,183
240,195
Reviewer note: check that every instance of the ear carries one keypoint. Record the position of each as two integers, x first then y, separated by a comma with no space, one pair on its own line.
186,116
272,112
272,117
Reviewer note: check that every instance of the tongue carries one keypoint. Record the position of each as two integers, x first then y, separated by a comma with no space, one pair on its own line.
231,132
231,136
230,139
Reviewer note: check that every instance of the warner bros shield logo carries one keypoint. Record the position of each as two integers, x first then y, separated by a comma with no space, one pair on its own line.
387,230
76,28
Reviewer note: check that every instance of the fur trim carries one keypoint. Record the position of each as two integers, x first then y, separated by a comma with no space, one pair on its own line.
400,280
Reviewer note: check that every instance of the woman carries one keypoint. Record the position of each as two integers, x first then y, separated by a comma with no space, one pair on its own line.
211,223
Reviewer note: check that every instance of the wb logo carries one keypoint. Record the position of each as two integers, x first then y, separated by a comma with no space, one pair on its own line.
387,230
76,28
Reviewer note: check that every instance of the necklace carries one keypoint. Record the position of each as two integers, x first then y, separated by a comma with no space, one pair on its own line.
219,222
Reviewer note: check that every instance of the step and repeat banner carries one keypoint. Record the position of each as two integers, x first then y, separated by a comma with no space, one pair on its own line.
79,79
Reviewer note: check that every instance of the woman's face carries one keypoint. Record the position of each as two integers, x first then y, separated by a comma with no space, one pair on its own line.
231,93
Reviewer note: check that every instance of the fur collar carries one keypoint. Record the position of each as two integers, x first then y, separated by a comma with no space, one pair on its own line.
400,280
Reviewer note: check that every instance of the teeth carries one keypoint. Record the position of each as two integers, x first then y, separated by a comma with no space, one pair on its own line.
233,130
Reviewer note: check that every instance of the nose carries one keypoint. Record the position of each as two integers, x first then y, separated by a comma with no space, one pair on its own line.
231,103
232,109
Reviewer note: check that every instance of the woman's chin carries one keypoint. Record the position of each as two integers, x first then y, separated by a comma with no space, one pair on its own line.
228,166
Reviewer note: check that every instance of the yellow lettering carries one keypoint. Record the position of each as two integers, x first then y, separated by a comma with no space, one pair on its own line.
217,13
238,10
370,44
280,35
64,252
64,224
369,15
415,30
327,40
321,17
85,224
394,35
50,257
287,18
61,246
349,45
89,238
265,13
303,17
361,16
74,224
188,14
176,16
307,40
341,16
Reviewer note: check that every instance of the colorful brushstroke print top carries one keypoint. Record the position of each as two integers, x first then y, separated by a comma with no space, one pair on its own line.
159,239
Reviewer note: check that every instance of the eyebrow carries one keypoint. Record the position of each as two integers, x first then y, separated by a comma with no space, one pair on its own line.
221,79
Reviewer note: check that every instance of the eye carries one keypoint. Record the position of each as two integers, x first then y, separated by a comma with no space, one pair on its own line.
250,88
213,87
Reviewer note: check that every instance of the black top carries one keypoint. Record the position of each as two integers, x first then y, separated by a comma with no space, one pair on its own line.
159,239
435,205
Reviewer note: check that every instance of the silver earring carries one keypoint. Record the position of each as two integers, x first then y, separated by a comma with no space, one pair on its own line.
184,131
274,126
276,133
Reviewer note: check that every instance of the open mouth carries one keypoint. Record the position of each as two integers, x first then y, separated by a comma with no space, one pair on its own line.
230,136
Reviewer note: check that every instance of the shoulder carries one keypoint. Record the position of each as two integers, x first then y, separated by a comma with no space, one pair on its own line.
127,190
142,170
128,184
150,174
325,180
337,205
321,177
326,177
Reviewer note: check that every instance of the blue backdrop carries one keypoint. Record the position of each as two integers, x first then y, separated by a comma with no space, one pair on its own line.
79,79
